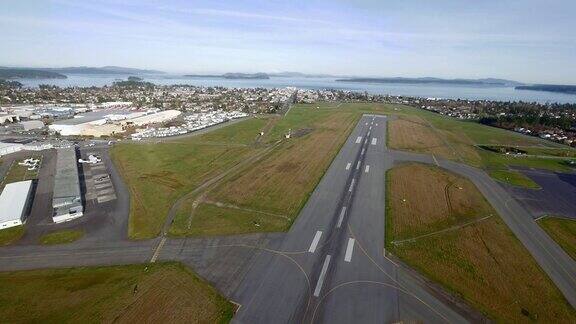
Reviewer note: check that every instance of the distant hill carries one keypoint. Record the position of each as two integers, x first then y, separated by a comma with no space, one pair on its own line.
232,76
24,73
101,70
488,81
250,76
569,89
300,75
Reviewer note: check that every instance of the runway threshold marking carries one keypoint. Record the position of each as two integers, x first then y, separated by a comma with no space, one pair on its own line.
352,185
374,140
367,169
315,241
157,252
359,139
349,250
348,166
341,217
322,276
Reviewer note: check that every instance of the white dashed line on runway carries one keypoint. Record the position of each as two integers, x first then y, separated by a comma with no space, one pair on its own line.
322,276
348,166
351,185
315,241
359,139
349,250
341,218
358,165
374,141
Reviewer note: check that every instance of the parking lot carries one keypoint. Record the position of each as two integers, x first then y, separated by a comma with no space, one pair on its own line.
99,187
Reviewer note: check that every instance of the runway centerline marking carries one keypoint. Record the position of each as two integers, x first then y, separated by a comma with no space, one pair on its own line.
341,217
359,139
322,276
348,166
362,153
358,165
158,249
367,169
315,241
374,140
349,250
352,185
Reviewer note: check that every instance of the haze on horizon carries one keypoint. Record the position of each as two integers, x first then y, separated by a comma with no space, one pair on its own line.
530,41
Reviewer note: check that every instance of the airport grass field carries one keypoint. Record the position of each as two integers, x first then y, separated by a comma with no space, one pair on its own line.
156,293
268,195
11,235
426,132
157,174
454,237
61,237
563,231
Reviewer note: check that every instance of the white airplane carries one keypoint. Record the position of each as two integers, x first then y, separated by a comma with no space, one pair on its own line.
92,159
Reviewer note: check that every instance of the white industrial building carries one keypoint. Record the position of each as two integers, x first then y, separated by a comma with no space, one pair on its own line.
7,148
14,203
108,122
67,197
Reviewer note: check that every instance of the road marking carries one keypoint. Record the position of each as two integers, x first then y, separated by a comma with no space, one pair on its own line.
358,165
370,128
368,133
362,153
435,161
349,250
367,169
366,124
351,185
315,241
374,141
341,218
359,139
376,124
348,166
322,275
157,252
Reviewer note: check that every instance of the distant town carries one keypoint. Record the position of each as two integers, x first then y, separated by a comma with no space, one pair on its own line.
137,110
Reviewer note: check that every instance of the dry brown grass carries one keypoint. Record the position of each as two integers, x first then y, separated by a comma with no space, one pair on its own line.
428,199
412,133
165,293
482,262
282,181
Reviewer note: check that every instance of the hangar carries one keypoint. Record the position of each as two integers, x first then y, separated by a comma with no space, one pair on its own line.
14,203
67,198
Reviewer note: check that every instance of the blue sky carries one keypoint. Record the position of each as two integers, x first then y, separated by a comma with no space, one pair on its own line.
525,40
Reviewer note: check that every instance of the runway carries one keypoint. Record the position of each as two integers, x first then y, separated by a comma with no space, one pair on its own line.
331,266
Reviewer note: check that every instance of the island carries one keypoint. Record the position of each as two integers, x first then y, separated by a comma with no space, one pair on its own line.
24,73
568,89
478,82
232,76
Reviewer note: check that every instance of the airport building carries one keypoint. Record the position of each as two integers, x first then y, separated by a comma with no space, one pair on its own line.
67,198
14,203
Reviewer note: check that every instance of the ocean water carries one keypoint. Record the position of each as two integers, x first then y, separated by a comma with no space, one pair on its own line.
446,91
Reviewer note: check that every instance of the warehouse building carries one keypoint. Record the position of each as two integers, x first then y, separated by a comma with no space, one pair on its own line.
67,198
7,148
14,203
